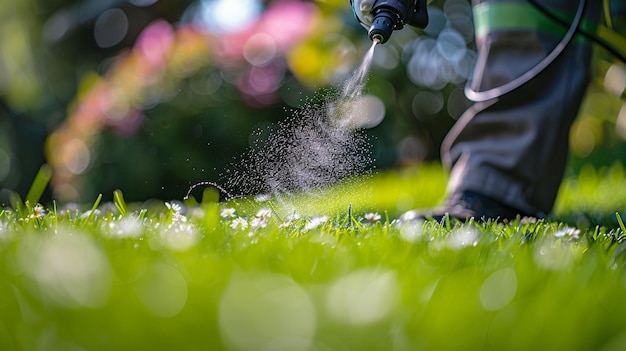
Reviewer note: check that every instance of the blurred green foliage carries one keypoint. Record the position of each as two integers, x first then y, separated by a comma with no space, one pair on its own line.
199,112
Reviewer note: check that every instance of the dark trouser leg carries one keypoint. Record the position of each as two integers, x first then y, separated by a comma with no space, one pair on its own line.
514,150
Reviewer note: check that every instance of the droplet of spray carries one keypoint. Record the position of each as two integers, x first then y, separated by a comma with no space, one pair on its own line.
207,183
354,86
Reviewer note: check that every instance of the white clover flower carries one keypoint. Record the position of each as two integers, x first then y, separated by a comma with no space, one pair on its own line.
264,213
228,213
372,217
261,218
258,222
38,211
174,207
568,233
239,224
315,222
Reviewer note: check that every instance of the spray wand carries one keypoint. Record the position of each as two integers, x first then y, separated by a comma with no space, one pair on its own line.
390,15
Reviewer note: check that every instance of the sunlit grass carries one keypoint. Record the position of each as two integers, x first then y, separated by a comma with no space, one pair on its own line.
331,271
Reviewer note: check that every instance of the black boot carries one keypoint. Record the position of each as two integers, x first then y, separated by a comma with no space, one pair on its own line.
469,204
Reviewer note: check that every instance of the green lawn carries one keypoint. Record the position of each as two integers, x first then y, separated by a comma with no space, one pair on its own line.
331,270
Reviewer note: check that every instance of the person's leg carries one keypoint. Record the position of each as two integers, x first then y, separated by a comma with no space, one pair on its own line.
507,155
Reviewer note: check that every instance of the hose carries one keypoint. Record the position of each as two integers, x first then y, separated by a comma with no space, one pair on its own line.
506,88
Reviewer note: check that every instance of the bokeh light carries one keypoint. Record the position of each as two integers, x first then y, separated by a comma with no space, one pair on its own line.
411,149
427,103
499,289
69,270
363,297
76,156
267,312
227,16
162,289
443,57
615,80
386,57
554,255
620,124
585,133
365,111
259,49
142,3
155,42
462,237
110,28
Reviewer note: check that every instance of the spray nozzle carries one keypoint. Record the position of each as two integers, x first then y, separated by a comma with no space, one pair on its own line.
390,15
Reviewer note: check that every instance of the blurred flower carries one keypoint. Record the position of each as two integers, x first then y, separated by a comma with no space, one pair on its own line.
315,222
173,207
259,222
175,211
38,211
285,225
294,216
528,220
259,85
70,209
261,218
154,44
372,217
239,224
410,230
463,237
178,217
568,233
228,213
88,213
264,213
179,236
126,227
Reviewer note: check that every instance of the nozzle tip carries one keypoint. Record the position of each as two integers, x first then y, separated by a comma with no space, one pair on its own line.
382,27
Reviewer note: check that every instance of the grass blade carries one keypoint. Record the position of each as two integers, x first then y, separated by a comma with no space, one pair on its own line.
120,204
620,222
39,184
92,213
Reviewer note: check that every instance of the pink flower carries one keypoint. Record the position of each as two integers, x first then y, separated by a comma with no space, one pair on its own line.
155,41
